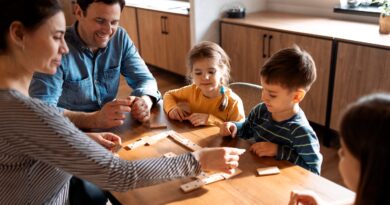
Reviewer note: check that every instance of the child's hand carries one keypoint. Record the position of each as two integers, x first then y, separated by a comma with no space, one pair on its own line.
177,114
228,129
265,149
305,197
198,119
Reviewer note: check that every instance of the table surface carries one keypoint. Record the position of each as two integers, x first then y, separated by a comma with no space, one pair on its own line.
245,188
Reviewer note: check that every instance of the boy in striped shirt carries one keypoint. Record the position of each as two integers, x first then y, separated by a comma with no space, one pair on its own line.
277,126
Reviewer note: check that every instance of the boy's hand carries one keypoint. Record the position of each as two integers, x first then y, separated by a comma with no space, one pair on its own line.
198,119
264,149
228,129
177,114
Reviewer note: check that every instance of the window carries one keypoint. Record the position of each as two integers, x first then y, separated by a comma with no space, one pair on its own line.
360,7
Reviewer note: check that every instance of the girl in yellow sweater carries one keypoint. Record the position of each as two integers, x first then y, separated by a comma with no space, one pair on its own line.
208,100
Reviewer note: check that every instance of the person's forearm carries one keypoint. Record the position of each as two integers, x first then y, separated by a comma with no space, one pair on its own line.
82,119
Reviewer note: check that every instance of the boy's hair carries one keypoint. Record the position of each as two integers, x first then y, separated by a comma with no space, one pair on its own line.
290,68
210,50
364,129
84,4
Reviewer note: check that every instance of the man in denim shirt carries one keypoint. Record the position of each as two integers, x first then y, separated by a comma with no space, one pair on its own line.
87,81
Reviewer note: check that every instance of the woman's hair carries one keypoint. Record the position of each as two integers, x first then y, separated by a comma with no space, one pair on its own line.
210,50
291,68
365,131
31,13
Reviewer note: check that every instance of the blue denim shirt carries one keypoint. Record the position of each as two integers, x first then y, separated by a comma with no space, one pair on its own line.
86,81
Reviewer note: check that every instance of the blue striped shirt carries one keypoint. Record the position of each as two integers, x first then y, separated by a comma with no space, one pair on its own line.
40,150
297,142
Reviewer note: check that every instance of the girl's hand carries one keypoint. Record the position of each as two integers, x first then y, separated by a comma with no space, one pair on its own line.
265,149
198,119
177,114
228,129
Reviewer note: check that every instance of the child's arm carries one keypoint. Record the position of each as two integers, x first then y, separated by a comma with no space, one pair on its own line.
236,111
305,150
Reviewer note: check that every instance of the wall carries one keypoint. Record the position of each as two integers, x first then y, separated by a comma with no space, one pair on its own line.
205,15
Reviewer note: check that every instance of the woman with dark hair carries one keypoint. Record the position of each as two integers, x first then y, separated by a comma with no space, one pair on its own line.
39,148
364,152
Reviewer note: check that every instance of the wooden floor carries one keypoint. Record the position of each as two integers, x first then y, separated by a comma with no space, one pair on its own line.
167,81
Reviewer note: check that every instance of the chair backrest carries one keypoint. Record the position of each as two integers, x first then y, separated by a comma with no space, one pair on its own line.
249,93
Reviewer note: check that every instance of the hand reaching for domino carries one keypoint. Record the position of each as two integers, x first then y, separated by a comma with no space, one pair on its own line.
220,159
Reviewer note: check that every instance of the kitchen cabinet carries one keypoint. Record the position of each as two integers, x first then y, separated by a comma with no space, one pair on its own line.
164,39
129,23
250,47
360,70
68,11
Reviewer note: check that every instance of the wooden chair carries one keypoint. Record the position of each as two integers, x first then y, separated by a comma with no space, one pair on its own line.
249,93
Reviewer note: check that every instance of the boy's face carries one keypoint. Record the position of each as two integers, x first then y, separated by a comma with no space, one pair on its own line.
278,99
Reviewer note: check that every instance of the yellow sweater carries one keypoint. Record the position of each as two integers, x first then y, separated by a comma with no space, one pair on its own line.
200,104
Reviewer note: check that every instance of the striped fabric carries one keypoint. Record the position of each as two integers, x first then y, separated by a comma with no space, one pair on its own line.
297,141
40,150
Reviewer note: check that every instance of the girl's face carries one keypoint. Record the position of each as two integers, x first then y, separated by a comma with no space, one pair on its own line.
207,76
45,46
349,167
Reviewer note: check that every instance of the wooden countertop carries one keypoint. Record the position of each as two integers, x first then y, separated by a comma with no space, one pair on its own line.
348,31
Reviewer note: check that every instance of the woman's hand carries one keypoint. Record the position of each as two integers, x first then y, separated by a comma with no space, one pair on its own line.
106,139
220,159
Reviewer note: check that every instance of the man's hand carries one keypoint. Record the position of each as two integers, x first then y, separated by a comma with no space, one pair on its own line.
140,109
198,119
113,113
228,129
265,149
222,159
106,139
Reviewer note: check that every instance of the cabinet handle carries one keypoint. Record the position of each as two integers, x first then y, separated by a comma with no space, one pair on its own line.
162,24
264,37
269,45
166,25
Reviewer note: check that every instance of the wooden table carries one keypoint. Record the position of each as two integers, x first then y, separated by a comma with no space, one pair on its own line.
246,188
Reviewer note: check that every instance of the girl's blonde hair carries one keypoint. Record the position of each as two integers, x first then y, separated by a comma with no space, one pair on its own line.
210,50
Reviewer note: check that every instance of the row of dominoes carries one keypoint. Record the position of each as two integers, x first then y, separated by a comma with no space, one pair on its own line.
205,178
184,141
150,140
